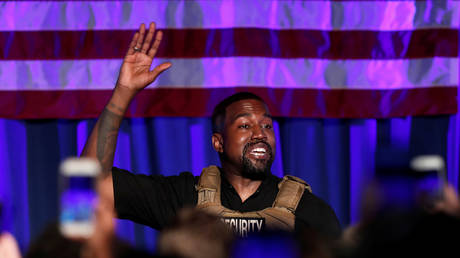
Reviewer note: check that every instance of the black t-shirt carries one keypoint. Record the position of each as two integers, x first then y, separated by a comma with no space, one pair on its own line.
154,200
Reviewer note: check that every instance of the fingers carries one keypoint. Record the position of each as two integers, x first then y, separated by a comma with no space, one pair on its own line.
158,70
156,44
139,44
140,39
148,39
132,44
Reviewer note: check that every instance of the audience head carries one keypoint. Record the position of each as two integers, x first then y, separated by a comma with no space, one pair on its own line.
195,233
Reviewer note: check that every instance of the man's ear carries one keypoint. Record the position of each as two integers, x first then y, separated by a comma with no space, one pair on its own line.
218,142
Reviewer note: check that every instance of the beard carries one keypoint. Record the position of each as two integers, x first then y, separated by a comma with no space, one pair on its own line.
258,169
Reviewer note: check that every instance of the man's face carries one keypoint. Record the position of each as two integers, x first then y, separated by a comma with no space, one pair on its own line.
248,140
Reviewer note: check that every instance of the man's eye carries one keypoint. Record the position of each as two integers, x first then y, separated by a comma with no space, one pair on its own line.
268,126
245,126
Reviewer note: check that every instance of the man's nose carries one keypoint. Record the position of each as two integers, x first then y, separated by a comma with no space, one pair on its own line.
258,133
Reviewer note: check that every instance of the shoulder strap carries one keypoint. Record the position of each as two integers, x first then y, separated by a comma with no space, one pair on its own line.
290,192
209,186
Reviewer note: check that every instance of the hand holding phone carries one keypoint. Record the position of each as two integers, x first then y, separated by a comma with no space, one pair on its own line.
431,178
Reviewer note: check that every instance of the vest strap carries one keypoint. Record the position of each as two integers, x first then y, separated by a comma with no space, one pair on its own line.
290,192
209,186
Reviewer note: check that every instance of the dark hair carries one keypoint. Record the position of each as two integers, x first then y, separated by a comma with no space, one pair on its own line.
218,115
196,233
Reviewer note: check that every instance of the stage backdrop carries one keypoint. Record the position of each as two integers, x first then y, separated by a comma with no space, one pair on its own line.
344,79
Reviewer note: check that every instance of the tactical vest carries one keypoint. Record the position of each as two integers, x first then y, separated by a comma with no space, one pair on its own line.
281,216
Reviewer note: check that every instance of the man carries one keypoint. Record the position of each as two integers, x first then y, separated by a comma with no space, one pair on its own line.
242,191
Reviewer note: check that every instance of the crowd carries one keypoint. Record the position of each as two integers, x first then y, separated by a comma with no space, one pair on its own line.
382,232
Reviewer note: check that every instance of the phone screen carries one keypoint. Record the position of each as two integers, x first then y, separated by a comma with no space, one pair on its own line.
77,205
418,184
410,190
78,198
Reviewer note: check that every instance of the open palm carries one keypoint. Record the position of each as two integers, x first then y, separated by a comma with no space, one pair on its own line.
135,73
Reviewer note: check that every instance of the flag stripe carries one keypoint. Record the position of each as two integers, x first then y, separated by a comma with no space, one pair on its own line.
199,102
195,43
321,15
339,59
237,71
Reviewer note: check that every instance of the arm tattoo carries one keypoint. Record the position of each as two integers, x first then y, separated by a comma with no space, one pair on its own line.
116,107
107,138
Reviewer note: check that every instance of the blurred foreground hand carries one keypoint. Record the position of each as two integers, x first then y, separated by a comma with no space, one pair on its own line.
450,203
8,246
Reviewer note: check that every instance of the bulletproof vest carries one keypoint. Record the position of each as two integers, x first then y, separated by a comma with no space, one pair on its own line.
281,216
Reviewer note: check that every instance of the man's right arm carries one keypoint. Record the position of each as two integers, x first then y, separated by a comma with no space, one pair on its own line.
134,76
102,142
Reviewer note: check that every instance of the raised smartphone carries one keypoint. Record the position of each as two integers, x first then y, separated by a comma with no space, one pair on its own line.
417,183
78,196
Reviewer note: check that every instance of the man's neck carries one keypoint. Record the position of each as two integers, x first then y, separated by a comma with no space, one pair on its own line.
245,187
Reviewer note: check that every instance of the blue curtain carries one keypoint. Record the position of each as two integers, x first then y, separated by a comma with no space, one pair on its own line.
336,157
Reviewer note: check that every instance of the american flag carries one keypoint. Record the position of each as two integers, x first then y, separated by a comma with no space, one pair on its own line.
322,59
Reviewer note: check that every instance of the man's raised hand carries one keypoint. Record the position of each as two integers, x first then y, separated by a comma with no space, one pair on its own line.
135,73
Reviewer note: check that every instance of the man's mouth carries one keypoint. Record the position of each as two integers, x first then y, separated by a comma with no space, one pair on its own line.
259,150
